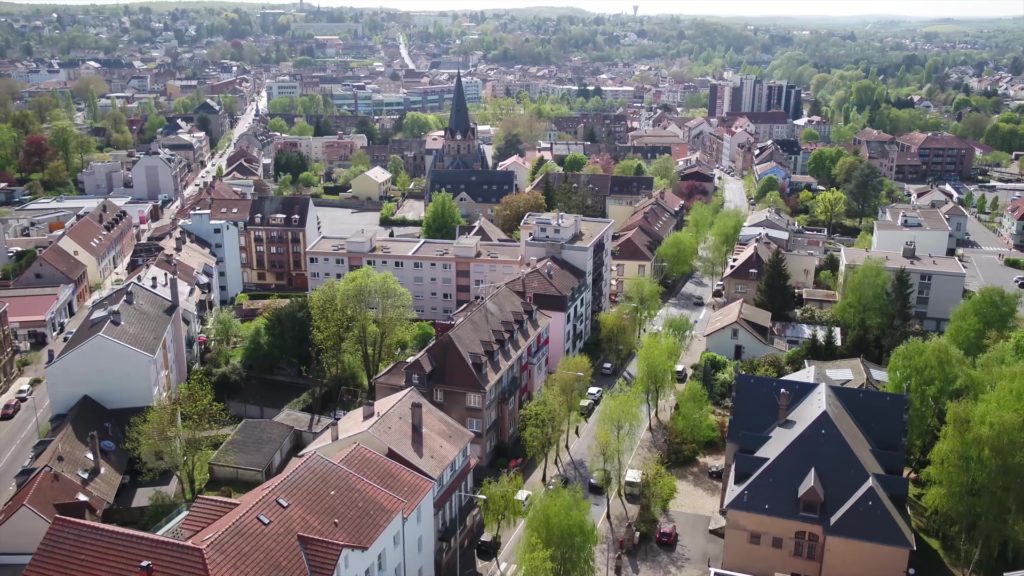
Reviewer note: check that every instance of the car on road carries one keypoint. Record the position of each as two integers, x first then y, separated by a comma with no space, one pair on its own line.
11,407
524,497
607,368
586,407
596,482
557,480
23,393
667,535
487,547
68,334
680,373
719,290
1018,279
698,300
595,393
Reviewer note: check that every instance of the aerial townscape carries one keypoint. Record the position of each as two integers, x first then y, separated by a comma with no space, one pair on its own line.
577,289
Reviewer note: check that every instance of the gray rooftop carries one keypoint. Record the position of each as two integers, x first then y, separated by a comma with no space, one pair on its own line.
253,444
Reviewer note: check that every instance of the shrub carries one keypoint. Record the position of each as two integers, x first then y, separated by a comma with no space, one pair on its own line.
1016,263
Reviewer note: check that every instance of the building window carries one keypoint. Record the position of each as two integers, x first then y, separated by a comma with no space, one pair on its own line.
399,264
417,265
446,295
396,539
620,269
446,266
741,289
417,279
777,542
735,334
474,400
313,260
438,395
473,424
371,263
641,270
754,539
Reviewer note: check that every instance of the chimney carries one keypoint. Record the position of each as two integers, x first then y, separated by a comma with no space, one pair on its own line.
129,296
550,271
94,448
783,405
154,281
177,243
334,430
417,419
115,316
165,279
99,218
533,261
909,250
367,410
174,286
146,568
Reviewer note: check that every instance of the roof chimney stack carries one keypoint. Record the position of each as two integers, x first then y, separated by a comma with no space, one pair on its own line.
417,420
177,243
367,410
174,285
909,250
94,448
146,568
334,430
115,316
129,296
153,283
783,405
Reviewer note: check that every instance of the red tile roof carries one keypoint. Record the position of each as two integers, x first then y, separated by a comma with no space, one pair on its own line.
29,307
205,511
389,475
43,491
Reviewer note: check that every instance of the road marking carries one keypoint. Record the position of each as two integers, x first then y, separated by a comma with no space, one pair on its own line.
978,270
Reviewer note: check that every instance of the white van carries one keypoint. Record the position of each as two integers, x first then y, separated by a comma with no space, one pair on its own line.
631,486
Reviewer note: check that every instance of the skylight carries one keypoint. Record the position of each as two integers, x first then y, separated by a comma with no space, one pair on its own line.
263,519
282,502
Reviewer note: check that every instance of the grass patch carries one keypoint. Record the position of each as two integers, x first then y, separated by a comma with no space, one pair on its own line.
226,489
929,558
202,474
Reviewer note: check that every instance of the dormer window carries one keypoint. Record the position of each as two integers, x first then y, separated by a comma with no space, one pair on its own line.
811,494
295,220
258,218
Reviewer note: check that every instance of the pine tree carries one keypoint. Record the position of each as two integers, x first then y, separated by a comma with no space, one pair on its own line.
830,348
900,295
774,293
813,347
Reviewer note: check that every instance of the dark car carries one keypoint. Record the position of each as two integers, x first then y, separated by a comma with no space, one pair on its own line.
698,300
715,471
11,407
487,547
596,482
557,480
667,535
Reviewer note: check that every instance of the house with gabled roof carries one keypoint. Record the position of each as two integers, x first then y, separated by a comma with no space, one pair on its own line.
100,239
559,289
813,481
740,331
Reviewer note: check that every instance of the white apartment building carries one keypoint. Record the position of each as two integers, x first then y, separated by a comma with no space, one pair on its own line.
157,174
927,228
442,275
101,178
283,87
938,281
224,239
584,242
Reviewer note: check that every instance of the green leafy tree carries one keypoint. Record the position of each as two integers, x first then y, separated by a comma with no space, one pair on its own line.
278,125
617,427
616,329
568,384
630,167
774,292
155,122
513,207
692,426
284,185
810,135
535,168
173,434
663,168
864,190
700,219
559,523
642,300
308,180
442,217
679,326
828,206
301,128
396,165
767,185
982,204
655,376
574,162
657,489
540,425
418,124
535,559
499,506
988,316
932,373
864,311
225,333
724,233
678,253
863,240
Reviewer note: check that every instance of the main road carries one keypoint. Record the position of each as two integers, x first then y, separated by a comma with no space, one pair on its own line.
579,467
735,196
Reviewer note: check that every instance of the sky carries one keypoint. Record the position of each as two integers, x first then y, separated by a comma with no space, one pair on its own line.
924,8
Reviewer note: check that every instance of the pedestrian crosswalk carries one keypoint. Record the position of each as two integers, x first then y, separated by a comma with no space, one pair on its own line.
992,248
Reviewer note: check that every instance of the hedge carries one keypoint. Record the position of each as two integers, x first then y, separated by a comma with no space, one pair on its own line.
1017,263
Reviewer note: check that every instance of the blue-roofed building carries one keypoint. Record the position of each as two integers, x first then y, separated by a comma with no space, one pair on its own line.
477,192
814,480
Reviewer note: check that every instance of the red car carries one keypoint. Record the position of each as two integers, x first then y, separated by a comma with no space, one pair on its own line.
11,408
666,535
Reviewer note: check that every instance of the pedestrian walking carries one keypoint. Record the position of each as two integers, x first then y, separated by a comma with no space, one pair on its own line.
577,430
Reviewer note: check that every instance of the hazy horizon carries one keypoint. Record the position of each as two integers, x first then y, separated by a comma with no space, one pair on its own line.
738,8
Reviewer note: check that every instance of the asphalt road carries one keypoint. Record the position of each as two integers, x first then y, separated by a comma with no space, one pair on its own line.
735,197
981,260
17,436
579,467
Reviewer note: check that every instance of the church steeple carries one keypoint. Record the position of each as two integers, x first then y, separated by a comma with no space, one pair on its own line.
458,120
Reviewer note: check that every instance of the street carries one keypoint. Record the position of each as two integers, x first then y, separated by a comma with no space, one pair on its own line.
579,467
735,197
216,160
981,259
18,434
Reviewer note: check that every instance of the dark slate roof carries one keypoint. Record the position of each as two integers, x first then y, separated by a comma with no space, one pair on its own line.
458,120
550,284
253,445
143,322
287,206
486,230
852,440
483,186
601,184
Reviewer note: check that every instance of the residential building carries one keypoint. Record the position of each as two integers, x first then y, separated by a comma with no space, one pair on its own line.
222,227
585,243
847,372
190,145
159,174
608,196
408,429
520,167
276,235
927,228
784,231
956,217
441,275
101,239
357,514
633,256
332,151
481,371
746,267
764,126
101,178
1011,225
814,481
283,88
56,267
560,291
77,475
937,281
128,353
820,125
38,315
942,156
477,192
740,331
372,185
212,119
7,341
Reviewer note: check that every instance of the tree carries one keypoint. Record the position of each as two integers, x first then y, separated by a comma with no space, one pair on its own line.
993,205
278,125
87,85
678,253
64,140
35,154
534,558
499,505
172,435
617,427
568,383
396,165
692,426
616,331
700,219
863,311
679,326
822,164
901,298
418,124
559,523
284,185
642,300
657,489
308,180
830,205
810,135
988,316
656,360
225,332
630,167
864,189
767,185
291,162
574,162
723,236
155,122
10,144
442,217
535,168
301,128
774,292
663,168
981,205
540,424
513,207
932,373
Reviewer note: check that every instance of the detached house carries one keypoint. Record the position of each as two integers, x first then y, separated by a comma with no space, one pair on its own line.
482,370
814,481
745,269
1011,226
740,331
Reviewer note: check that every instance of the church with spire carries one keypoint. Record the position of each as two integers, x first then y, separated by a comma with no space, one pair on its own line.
462,167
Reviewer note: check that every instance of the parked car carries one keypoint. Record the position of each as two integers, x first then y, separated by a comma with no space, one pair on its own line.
586,407
680,373
68,334
556,481
667,535
596,482
607,368
23,393
487,547
698,300
11,407
595,393
524,497
715,471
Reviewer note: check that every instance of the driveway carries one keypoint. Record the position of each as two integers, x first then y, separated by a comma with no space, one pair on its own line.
696,550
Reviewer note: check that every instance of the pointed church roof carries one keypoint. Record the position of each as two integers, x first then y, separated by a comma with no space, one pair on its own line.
458,121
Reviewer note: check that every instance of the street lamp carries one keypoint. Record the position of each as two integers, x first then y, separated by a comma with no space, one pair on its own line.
458,529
